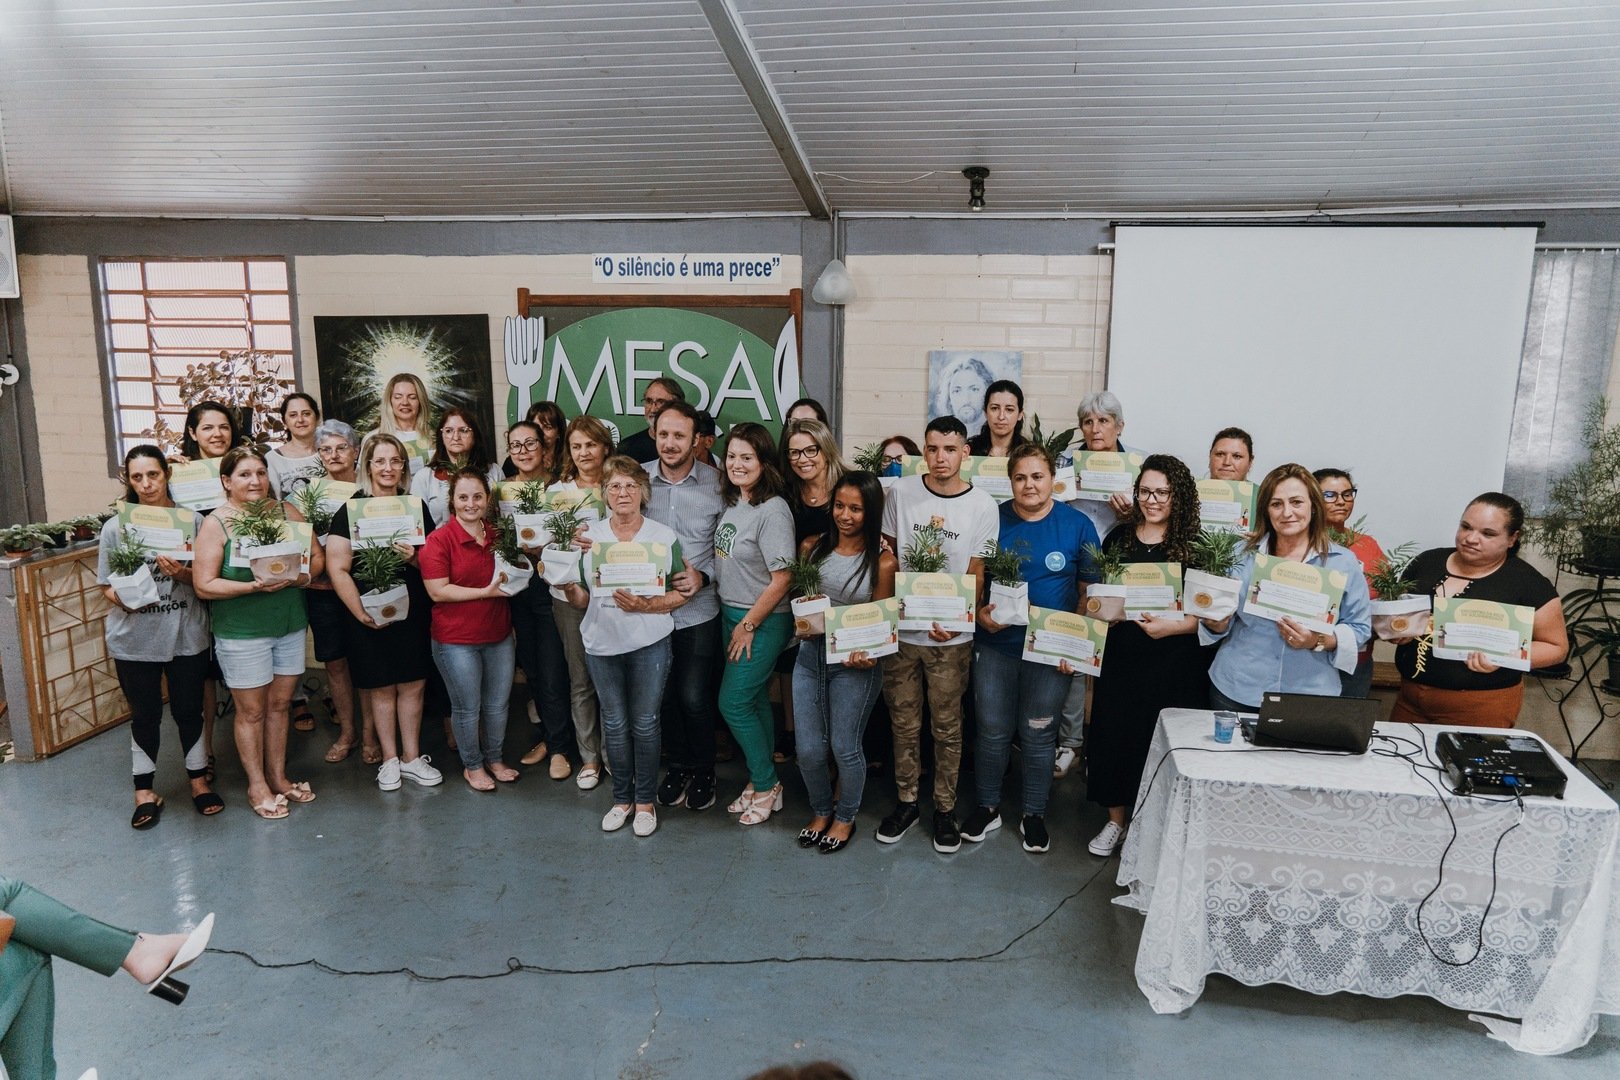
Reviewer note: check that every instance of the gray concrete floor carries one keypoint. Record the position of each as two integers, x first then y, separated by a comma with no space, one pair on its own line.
708,950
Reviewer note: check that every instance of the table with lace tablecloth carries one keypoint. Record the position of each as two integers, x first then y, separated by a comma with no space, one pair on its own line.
1308,870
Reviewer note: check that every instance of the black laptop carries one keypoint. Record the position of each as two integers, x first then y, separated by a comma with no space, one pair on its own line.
1315,722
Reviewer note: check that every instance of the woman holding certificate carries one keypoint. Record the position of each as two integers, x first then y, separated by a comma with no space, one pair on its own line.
587,444
1152,664
626,630
335,447
164,641
832,701
258,634
1003,429
472,630
404,414
1014,695
387,664
1516,625
459,447
1304,615
753,547
297,461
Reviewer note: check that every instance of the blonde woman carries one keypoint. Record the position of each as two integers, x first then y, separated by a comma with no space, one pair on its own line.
404,412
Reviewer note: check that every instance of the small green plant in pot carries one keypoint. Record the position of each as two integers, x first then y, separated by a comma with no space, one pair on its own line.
1582,520
260,528
809,603
529,513
85,526
311,503
379,569
19,540
926,602
559,556
1209,591
869,458
129,575
1398,612
1106,599
512,567
1599,636
1055,445
1009,592
924,553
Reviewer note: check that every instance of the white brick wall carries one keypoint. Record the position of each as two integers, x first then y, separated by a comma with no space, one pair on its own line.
65,376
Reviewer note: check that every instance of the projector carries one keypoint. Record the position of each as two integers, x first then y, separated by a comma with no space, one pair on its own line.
1498,765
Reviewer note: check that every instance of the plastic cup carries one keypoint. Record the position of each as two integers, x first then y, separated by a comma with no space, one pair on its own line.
1225,724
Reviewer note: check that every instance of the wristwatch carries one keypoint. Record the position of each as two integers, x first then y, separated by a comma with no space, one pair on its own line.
1321,642
748,626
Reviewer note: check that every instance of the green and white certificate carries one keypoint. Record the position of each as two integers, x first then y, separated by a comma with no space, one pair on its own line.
334,493
416,448
1226,505
167,531
638,568
195,485
872,629
1502,632
1151,589
989,474
1102,474
1310,595
926,599
572,496
375,520
1054,636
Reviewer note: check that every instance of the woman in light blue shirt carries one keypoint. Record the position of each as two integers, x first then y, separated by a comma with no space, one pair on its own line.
1258,655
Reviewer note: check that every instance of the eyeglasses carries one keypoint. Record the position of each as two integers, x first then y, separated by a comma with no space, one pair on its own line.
809,453
1348,495
659,401
893,459
1153,494
523,447
623,489
334,451
455,431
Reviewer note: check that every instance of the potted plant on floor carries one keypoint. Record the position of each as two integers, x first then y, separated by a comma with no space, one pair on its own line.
1105,600
810,604
1209,589
380,570
261,534
512,567
19,540
131,579
1009,592
1582,521
559,556
1398,612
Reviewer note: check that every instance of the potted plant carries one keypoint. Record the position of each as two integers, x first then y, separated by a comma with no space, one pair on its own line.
810,604
559,556
1209,590
869,458
924,553
19,540
1398,612
260,530
85,526
1009,592
1582,521
58,534
380,570
310,503
1105,600
529,513
512,566
1056,445
131,579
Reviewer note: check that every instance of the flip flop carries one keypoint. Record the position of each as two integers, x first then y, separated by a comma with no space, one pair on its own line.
339,751
371,755
272,810
147,814
165,985
299,793
208,803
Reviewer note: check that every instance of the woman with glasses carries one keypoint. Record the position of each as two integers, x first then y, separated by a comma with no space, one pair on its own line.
335,446
1149,665
896,448
1258,655
1003,429
549,419
1339,496
460,447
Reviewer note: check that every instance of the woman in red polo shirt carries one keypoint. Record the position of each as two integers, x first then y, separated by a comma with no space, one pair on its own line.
472,630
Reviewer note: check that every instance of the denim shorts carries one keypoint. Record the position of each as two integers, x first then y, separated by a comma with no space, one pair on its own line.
249,663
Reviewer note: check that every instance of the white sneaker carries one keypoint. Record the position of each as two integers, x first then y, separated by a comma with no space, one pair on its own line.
646,823
1066,757
534,715
589,776
420,771
1107,842
388,775
614,819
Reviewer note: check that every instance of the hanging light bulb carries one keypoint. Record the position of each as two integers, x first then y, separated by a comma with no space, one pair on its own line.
834,286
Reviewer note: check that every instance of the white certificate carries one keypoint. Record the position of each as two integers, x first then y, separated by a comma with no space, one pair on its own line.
1471,637
937,608
1287,599
1066,646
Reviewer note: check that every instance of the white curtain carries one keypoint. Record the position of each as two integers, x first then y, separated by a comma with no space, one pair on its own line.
1569,340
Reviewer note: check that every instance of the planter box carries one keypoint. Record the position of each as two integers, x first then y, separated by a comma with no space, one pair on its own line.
513,579
809,615
1208,596
1403,618
276,562
388,606
136,590
1009,604
1105,602
561,565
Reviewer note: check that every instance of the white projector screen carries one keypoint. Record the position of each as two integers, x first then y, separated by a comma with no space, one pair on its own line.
1389,352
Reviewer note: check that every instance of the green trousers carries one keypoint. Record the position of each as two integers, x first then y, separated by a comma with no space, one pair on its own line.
745,691
45,928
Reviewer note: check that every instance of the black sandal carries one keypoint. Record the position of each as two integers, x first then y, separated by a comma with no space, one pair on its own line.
146,814
809,838
303,719
208,803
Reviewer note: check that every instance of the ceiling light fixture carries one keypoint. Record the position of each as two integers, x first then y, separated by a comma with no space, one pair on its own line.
834,286
976,175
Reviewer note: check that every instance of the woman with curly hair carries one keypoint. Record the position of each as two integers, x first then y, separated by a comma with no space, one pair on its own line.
1148,665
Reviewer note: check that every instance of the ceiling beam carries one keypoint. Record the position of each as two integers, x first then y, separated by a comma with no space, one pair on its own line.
745,64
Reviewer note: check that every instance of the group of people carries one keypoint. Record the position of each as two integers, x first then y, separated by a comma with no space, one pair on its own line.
619,681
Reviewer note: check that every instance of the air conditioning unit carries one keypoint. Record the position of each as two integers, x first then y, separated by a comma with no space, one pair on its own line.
9,286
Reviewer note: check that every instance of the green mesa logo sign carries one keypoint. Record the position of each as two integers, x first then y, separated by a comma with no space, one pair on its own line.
602,364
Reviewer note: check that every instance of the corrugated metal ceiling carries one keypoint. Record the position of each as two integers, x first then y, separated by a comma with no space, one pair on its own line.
315,107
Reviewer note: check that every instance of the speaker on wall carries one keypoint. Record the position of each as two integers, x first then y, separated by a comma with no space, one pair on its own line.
9,287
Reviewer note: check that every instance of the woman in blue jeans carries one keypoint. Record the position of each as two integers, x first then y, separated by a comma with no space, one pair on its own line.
626,634
832,701
1011,693
472,630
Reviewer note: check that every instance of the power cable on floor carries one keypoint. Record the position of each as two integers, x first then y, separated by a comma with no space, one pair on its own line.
514,965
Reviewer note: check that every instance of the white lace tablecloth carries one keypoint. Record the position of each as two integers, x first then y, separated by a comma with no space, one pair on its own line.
1308,870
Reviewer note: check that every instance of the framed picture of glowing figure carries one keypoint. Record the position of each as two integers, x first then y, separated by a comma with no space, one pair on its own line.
359,354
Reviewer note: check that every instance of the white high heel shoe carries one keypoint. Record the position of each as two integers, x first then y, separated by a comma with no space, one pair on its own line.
765,804
742,802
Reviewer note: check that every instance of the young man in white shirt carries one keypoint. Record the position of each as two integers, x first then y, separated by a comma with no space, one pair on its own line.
934,662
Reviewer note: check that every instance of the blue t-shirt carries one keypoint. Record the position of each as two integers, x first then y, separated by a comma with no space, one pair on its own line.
1055,563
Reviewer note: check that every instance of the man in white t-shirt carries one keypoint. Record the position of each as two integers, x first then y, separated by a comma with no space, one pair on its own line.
934,662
